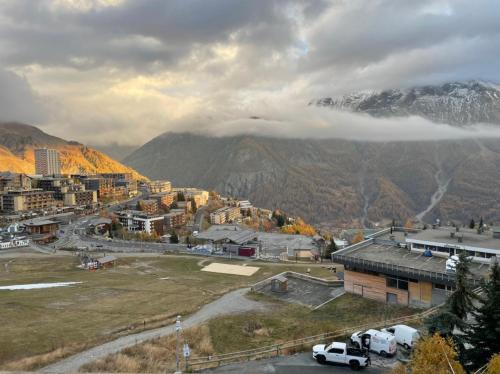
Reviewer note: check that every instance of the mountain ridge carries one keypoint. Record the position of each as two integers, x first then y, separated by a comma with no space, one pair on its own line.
18,141
456,103
328,181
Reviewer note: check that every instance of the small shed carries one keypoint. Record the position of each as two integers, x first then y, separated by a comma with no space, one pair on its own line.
106,261
279,284
496,232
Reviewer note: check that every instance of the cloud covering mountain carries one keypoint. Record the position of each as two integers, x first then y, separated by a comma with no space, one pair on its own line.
125,71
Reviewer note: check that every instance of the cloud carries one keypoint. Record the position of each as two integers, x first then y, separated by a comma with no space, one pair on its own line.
18,102
126,71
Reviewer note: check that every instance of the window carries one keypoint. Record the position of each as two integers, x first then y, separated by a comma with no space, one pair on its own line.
391,282
399,283
336,350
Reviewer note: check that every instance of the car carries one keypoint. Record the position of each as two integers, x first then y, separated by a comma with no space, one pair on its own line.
382,343
405,335
339,353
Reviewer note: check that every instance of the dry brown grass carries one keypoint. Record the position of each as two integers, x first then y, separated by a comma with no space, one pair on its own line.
155,356
37,361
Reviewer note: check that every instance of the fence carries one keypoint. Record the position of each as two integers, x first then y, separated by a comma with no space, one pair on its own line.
198,363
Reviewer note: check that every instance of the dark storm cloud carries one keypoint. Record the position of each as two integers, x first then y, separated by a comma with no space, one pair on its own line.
138,34
170,64
18,102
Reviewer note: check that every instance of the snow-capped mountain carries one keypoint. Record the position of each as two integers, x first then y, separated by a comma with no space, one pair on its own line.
457,103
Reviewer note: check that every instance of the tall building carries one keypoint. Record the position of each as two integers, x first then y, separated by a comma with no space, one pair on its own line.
47,162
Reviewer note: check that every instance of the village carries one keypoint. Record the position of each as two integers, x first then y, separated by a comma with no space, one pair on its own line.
214,275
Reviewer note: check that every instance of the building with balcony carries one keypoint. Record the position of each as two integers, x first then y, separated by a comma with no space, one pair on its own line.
164,199
137,221
26,200
176,218
223,215
160,186
47,162
149,206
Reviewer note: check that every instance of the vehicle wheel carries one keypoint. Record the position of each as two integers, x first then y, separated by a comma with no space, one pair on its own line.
406,346
383,353
321,359
354,365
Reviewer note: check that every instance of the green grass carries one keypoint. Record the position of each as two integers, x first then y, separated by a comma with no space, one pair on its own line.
109,302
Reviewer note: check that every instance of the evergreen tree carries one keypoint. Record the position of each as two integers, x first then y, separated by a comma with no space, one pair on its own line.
180,196
481,223
472,224
332,247
194,208
485,331
280,220
459,303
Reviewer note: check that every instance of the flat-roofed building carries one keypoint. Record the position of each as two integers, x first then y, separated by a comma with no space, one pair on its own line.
164,199
14,181
200,197
26,200
176,218
148,206
410,268
223,215
47,161
80,198
137,221
160,186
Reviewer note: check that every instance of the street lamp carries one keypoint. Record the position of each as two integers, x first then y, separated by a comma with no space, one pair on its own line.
178,328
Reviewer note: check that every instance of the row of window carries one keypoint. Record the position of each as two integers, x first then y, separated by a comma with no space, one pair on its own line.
400,283
453,251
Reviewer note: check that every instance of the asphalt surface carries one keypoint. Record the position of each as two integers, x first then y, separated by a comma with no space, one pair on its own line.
232,302
297,364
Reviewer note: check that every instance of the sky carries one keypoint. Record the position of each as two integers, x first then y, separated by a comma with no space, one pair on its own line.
123,71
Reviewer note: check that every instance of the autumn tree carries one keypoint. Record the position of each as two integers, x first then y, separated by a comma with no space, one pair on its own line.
484,332
408,224
359,237
494,365
435,355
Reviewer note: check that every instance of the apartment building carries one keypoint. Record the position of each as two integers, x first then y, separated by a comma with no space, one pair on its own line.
160,186
200,197
105,187
186,205
410,267
80,198
176,218
137,221
14,181
47,161
223,215
149,206
27,200
164,199
124,180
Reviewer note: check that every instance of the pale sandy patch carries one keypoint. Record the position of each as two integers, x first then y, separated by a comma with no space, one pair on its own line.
230,269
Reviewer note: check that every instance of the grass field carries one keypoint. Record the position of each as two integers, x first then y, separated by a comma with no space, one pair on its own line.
40,326
282,322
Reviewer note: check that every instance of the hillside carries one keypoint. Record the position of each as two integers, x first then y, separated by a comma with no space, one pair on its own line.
457,103
334,181
18,141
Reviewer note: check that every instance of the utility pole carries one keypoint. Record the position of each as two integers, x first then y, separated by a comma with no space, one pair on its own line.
178,328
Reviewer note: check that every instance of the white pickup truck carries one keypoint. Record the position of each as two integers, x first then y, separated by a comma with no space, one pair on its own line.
339,353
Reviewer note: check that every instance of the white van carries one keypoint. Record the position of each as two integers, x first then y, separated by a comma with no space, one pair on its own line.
381,342
405,335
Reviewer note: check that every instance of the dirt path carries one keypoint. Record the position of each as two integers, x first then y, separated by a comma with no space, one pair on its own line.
233,302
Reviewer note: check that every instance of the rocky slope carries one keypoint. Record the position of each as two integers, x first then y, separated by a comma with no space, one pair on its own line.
18,141
458,103
333,181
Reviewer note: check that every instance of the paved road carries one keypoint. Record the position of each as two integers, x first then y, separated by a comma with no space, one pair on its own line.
297,364
233,302
198,218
